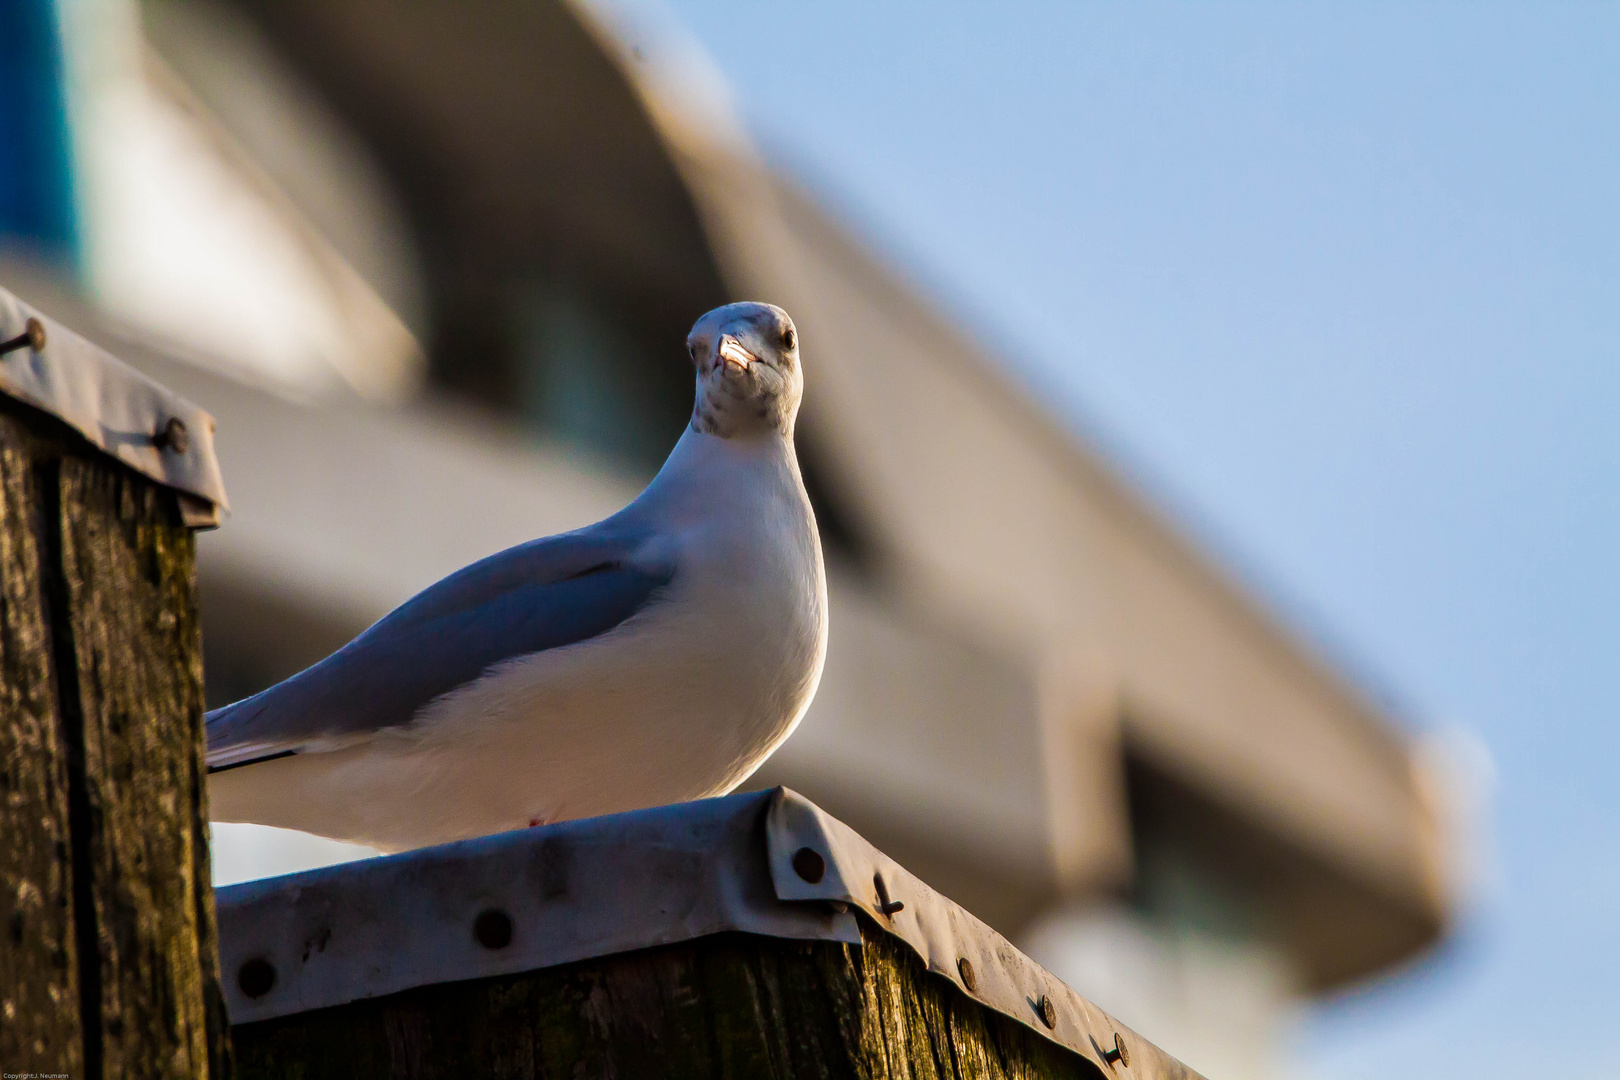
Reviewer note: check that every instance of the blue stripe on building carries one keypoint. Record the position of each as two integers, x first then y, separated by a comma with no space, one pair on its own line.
37,215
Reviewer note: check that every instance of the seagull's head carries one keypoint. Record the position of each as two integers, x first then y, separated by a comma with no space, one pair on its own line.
748,378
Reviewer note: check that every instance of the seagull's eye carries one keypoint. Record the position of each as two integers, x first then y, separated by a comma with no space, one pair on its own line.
788,339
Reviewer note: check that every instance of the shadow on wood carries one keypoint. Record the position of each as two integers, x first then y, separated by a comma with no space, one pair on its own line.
732,1006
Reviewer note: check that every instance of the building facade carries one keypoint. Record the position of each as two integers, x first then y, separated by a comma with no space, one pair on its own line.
432,266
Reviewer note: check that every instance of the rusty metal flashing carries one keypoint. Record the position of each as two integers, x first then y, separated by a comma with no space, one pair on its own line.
768,863
123,413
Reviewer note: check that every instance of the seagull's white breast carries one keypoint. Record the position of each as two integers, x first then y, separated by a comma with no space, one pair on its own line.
682,701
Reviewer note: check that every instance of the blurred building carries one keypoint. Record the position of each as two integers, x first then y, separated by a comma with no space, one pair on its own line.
432,265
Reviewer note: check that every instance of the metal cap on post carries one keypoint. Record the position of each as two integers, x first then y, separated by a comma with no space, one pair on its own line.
684,940
115,408
111,957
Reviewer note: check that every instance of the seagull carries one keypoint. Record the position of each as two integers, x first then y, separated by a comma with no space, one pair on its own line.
657,656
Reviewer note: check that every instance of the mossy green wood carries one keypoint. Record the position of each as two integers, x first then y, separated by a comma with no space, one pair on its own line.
731,1006
110,953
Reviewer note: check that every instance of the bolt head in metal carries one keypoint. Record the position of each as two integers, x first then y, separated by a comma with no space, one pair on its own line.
1047,1010
256,977
809,865
173,436
970,979
33,336
1120,1051
884,904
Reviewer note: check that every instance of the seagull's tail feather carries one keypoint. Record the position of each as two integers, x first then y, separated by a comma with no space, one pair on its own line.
226,728
236,759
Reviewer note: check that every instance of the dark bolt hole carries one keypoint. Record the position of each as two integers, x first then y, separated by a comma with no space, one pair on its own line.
809,865
256,977
493,929
969,978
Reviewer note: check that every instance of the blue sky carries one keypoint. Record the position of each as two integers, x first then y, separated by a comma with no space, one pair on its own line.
1341,284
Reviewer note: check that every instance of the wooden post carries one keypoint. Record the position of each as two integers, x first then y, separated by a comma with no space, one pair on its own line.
728,1007
108,950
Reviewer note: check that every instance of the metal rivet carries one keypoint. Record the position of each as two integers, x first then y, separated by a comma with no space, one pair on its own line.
493,929
1119,1053
256,977
884,904
964,967
809,864
173,436
33,336
1047,1010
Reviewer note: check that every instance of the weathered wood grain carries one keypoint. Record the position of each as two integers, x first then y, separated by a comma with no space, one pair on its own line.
128,567
39,986
110,950
729,1007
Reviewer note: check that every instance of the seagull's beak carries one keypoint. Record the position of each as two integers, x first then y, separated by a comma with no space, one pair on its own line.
732,352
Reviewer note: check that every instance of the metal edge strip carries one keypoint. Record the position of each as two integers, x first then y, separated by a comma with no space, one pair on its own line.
127,416
580,890
550,895
814,856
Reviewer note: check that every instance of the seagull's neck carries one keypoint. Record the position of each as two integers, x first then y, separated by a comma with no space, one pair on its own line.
704,469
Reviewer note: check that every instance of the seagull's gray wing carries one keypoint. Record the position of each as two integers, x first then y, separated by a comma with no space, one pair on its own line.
542,595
